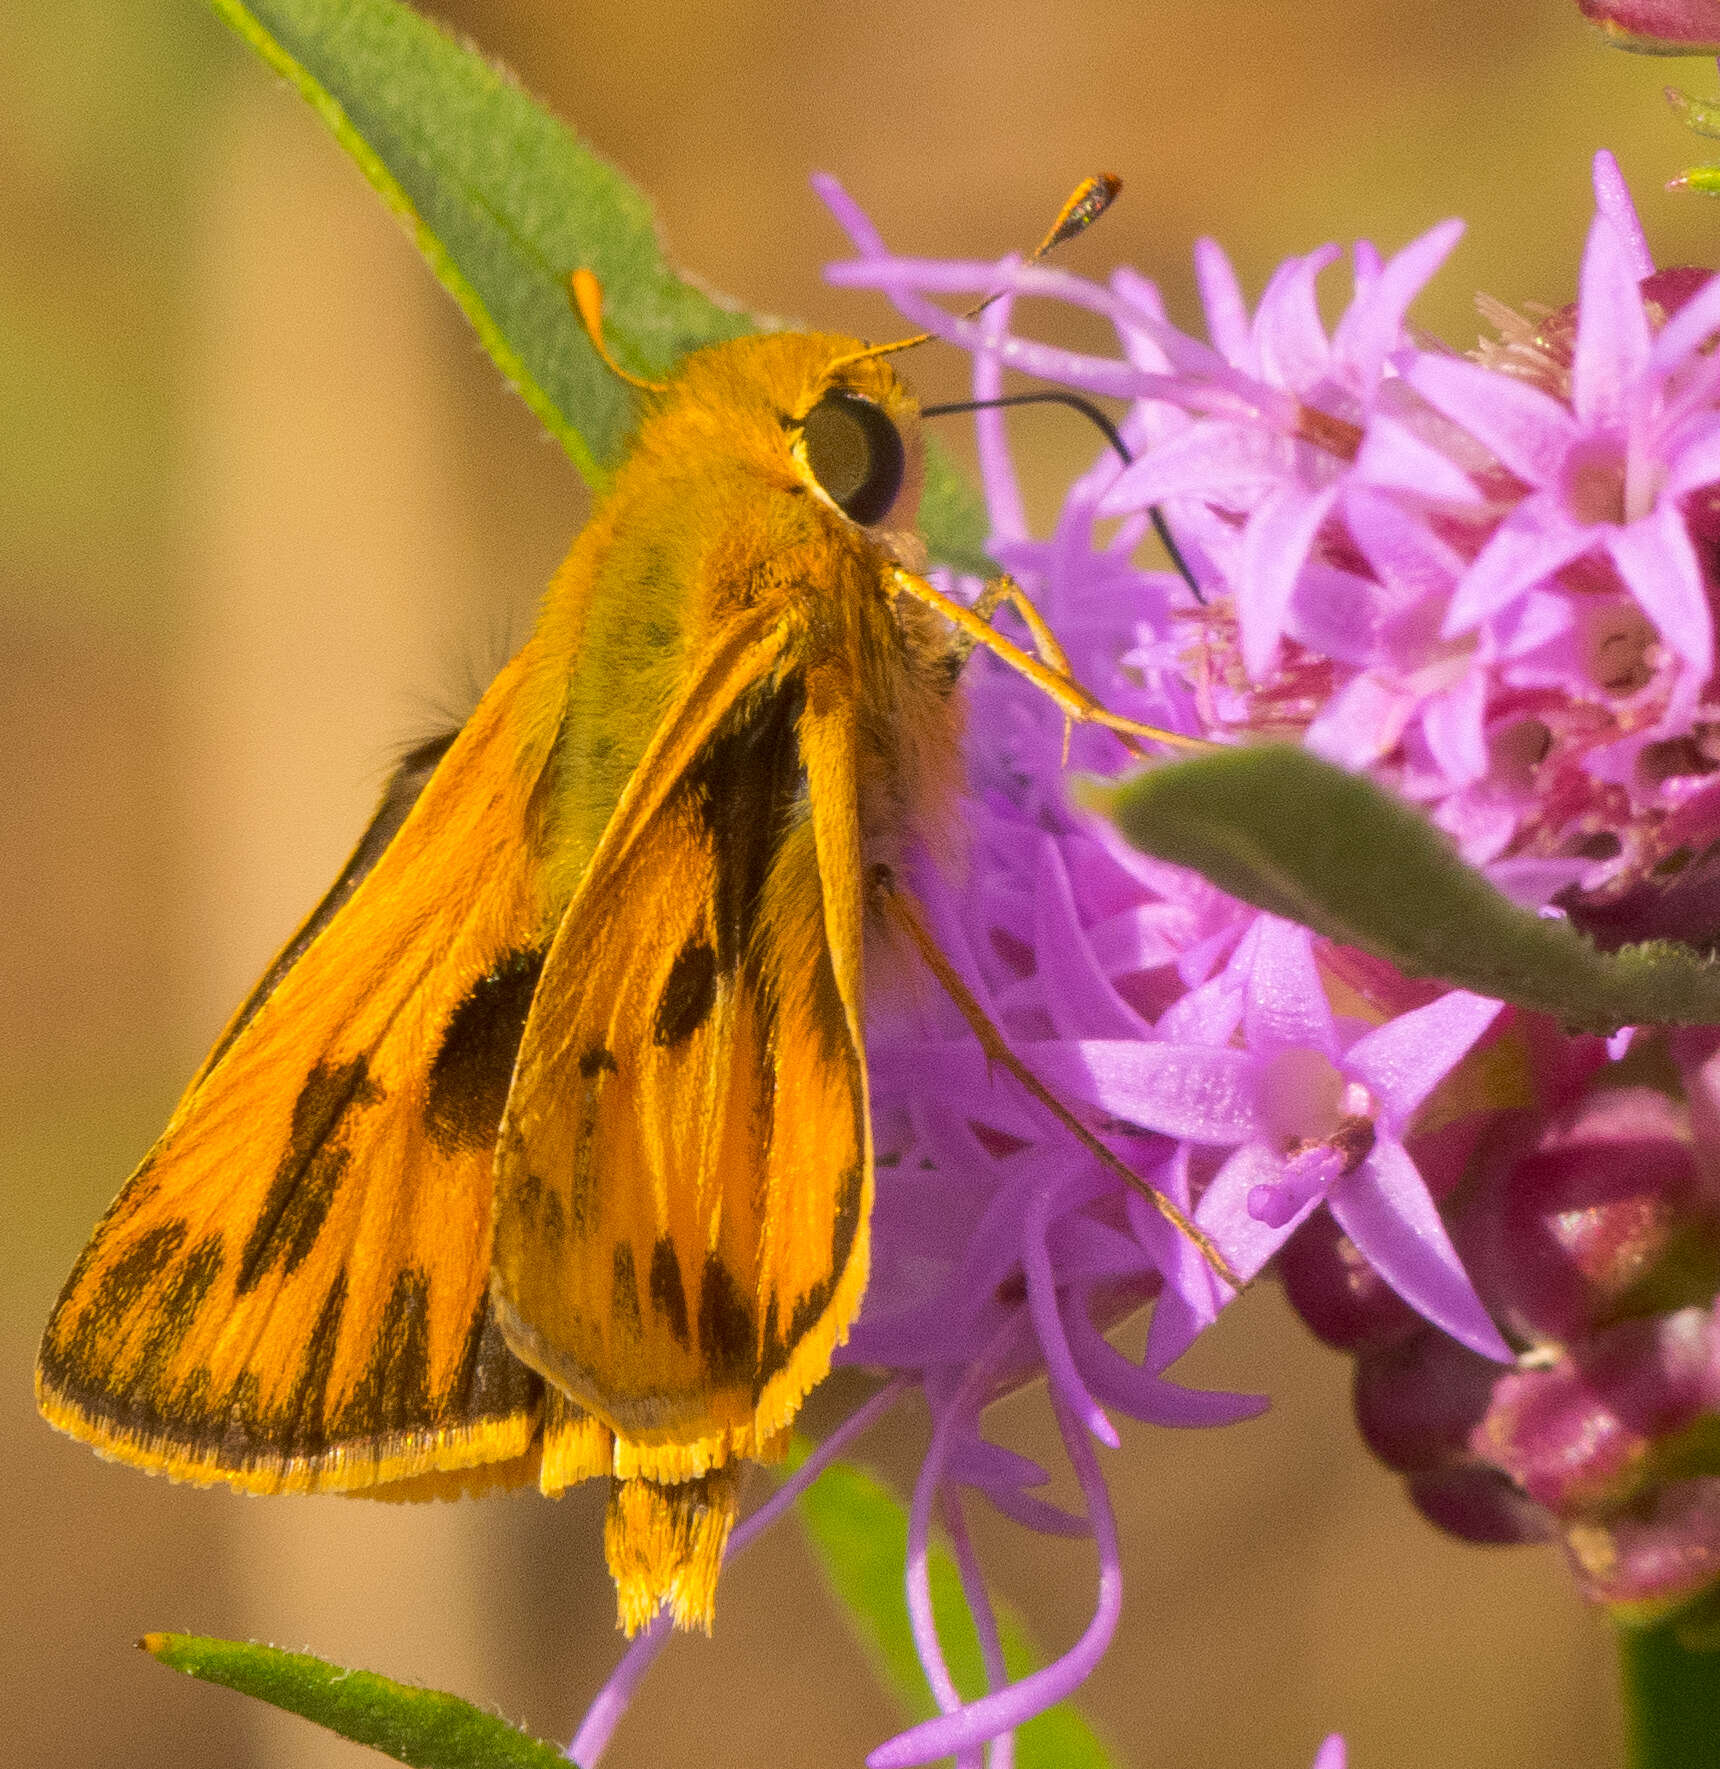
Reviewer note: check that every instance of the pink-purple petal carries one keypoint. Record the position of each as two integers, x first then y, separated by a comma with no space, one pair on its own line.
1224,1212
1394,458
994,1714
1373,327
1079,995
1143,1394
1697,464
1288,336
1613,200
1612,330
1401,1062
1285,1006
1658,563
1226,312
1274,549
1533,542
1688,329
1384,1207
1528,430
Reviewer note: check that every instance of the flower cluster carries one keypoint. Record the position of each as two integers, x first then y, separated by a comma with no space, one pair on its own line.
1487,584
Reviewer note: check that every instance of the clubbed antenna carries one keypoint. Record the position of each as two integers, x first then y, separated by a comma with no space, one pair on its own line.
1090,199
1087,202
586,293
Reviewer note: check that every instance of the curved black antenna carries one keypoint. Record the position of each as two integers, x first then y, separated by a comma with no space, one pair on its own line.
1111,434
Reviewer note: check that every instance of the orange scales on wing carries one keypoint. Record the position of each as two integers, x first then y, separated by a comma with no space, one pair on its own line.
684,1175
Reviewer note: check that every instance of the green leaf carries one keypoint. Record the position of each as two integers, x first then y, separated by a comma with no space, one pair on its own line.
1671,1699
859,1530
419,1726
1699,114
1292,834
505,202
953,517
1704,180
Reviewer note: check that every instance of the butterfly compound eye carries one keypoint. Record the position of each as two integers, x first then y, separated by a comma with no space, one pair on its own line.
855,452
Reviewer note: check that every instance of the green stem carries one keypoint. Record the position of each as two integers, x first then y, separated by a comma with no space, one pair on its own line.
1671,1700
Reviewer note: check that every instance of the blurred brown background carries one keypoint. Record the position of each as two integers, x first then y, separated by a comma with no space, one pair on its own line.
265,512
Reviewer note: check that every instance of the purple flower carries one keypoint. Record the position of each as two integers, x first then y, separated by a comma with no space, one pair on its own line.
1485,583
1294,422
1324,1110
1605,472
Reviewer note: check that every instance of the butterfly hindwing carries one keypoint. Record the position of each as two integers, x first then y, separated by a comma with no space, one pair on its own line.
683,1178
290,1293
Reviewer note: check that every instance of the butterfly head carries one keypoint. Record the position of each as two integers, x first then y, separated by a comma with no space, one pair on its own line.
809,417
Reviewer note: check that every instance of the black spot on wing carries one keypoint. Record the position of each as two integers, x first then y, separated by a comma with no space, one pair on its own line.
595,1068
728,1331
810,1307
474,1064
624,1293
77,1354
527,1194
310,1170
668,1293
492,1383
173,1308
393,1394
748,784
114,1359
398,798
688,996
297,1425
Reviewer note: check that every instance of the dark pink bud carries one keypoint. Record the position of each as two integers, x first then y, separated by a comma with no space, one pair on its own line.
1606,1215
1658,27
1676,895
1478,1504
1560,1444
1581,1431
1419,1401
1656,1556
1663,291
1342,1298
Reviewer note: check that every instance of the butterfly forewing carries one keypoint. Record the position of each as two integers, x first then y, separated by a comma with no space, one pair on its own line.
683,1176
291,1291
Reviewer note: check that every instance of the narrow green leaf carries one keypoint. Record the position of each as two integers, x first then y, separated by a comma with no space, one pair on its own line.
1700,114
859,1531
1705,180
423,1727
1290,833
953,517
1671,1699
505,201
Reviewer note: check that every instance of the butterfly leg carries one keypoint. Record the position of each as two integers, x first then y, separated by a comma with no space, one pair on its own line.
1049,672
1005,592
902,910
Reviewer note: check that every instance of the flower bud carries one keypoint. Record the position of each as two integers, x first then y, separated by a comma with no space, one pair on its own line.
1606,1215
1580,1433
1658,27
1344,1301
1657,1555
1418,1401
1479,1504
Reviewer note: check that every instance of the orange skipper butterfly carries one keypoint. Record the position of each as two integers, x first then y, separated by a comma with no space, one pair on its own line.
542,1151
